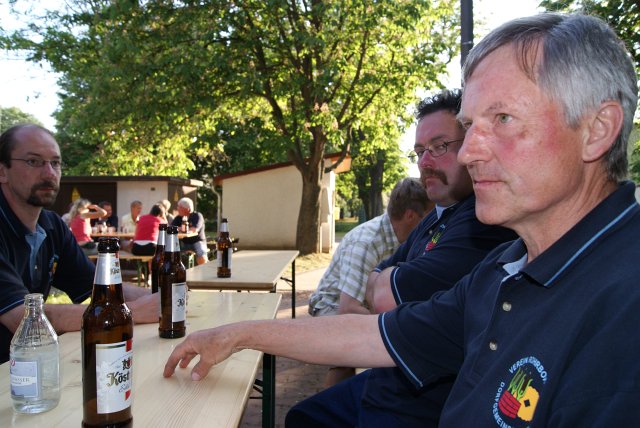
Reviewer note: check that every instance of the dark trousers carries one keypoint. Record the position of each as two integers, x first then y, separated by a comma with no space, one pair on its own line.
143,250
340,406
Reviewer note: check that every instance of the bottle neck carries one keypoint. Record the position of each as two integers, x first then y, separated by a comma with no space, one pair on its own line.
33,305
162,234
224,227
171,244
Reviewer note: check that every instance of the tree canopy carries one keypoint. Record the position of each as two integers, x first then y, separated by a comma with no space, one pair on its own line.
168,86
10,116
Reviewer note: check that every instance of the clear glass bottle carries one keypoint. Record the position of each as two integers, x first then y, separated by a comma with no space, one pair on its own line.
34,363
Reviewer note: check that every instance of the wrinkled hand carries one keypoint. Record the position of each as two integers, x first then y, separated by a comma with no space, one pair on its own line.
213,345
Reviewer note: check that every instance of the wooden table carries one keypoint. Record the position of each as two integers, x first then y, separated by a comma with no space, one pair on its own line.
216,401
130,235
251,270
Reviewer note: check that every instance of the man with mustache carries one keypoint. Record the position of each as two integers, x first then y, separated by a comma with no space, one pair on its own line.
37,249
542,332
443,248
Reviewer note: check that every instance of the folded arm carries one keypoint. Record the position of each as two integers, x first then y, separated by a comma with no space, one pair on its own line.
379,295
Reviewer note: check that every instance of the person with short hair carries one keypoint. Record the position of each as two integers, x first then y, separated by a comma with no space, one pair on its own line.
37,249
541,332
130,219
110,219
342,287
197,243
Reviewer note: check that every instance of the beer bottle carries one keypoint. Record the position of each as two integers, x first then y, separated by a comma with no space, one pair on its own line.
107,338
185,224
172,281
158,257
224,249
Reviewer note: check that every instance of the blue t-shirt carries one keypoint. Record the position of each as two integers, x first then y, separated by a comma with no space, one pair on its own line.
551,344
59,262
437,254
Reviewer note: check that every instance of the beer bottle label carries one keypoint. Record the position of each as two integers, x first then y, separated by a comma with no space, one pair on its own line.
224,256
114,373
107,269
179,301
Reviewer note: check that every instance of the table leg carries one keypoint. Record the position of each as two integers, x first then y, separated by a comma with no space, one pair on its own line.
269,390
293,288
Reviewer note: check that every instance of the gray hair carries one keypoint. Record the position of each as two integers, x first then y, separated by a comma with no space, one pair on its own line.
186,203
583,64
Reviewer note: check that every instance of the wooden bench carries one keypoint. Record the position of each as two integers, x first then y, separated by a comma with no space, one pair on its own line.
143,264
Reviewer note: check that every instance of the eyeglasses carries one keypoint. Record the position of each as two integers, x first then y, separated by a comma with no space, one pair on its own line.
39,163
434,151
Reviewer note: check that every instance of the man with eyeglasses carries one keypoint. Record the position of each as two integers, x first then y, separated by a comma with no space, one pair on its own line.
450,241
37,249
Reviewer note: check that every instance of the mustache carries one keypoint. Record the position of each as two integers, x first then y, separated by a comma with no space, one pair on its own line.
430,172
46,185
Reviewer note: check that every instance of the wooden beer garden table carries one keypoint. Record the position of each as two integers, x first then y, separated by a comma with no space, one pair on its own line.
216,401
251,270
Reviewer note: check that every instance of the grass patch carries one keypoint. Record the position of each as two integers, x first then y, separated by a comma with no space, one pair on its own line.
345,225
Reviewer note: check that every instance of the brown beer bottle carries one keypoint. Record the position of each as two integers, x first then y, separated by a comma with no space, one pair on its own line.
158,257
107,339
224,248
172,281
185,224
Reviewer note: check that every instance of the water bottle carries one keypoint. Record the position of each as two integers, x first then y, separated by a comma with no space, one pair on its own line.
34,363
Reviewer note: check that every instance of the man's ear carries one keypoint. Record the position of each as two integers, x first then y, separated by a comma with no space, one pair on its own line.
603,130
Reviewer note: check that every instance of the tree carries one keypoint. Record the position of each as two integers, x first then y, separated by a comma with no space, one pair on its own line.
153,80
10,116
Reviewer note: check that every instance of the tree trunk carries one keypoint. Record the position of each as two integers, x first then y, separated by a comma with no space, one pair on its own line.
308,230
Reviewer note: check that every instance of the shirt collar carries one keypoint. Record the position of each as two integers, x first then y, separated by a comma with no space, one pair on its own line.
610,214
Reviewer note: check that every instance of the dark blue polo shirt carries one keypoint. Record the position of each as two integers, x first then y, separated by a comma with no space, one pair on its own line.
550,344
59,263
437,254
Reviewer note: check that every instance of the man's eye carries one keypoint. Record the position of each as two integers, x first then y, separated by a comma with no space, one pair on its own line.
34,162
504,118
55,163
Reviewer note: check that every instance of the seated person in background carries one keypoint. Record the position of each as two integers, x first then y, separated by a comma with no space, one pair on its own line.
81,212
167,208
109,220
198,243
342,287
130,219
146,237
37,250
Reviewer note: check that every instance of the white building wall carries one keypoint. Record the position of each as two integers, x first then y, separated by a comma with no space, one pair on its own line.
147,192
262,208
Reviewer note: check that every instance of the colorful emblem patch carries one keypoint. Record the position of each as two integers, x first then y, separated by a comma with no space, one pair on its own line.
435,238
517,397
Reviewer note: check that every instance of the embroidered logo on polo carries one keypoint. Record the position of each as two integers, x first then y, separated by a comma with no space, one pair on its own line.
435,238
518,395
